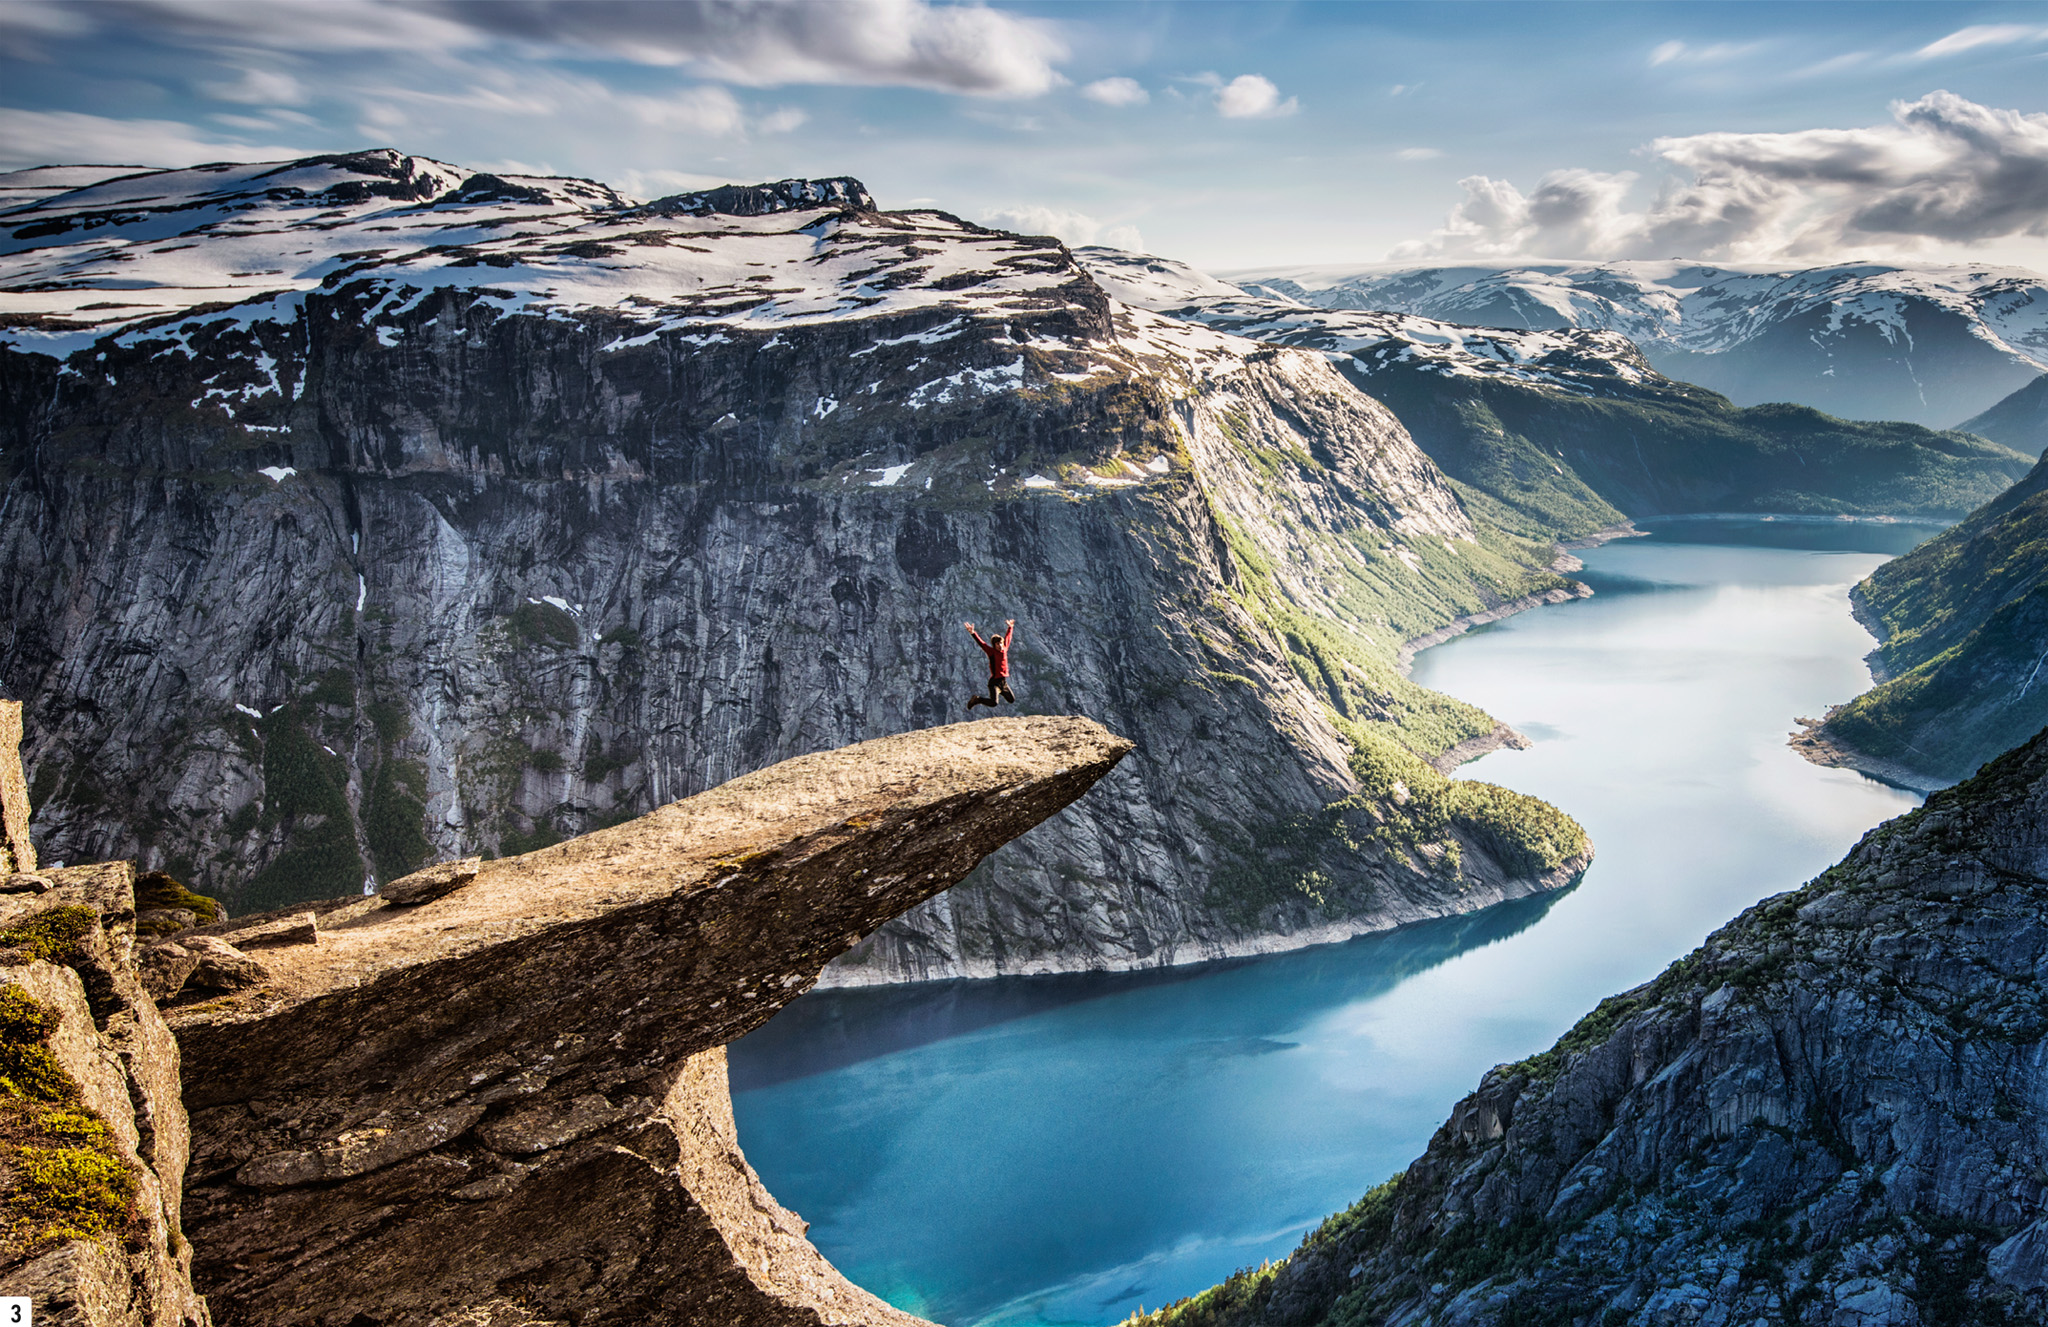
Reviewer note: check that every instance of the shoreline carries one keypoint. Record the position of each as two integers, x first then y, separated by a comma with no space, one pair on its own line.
1194,953
1459,626
1820,749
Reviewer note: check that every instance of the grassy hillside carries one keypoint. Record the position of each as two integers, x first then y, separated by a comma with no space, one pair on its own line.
1964,619
1551,462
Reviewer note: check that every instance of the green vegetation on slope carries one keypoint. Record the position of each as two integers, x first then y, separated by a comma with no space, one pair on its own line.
1554,464
1965,624
64,1178
1343,643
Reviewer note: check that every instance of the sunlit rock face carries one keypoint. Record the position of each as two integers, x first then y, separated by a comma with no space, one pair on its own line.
508,1103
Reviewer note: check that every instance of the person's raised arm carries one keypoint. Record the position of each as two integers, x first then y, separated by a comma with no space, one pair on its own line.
1010,632
977,635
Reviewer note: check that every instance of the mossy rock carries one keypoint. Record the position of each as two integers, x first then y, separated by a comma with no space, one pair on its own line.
51,934
68,1179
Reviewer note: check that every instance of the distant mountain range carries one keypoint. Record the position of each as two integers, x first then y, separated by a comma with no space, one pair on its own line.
1558,432
1934,345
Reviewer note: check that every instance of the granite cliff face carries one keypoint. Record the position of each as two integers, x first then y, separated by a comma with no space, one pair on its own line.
1831,1113
505,509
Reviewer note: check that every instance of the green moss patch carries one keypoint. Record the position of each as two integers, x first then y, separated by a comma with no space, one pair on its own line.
48,935
70,1192
69,1181
157,890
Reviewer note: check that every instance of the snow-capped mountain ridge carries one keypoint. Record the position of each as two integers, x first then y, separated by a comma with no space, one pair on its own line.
1928,343
1576,360
140,254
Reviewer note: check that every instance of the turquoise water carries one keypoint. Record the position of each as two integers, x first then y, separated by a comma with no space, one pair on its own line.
1061,1150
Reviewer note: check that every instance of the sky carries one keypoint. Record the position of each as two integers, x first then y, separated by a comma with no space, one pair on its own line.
1229,135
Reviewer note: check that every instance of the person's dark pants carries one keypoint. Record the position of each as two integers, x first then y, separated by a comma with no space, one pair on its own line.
997,686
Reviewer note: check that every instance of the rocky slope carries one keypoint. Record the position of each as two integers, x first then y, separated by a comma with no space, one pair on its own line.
1932,345
2020,421
493,510
1963,621
1833,1112
1560,431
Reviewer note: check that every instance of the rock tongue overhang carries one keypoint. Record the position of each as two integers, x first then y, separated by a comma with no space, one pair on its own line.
743,892
530,1069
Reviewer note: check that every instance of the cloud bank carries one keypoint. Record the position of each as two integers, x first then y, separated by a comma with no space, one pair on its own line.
1945,170
1074,228
755,43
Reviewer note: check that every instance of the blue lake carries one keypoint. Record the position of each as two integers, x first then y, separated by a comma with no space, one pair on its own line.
1062,1150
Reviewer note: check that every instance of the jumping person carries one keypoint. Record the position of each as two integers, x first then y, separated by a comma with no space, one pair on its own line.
998,652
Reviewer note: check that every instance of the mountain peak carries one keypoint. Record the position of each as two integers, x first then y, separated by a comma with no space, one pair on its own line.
755,200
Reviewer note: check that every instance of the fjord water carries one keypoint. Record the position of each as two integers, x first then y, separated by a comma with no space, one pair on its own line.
1061,1150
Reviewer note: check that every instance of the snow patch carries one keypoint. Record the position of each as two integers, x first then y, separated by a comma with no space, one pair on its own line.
891,475
277,473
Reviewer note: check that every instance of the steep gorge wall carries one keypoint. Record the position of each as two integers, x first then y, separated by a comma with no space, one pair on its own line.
529,576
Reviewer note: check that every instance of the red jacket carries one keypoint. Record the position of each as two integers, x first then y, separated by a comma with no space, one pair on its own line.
998,652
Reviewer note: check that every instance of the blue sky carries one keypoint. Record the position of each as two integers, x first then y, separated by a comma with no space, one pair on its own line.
1229,135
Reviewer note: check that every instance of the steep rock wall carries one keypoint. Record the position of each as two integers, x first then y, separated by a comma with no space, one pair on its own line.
514,577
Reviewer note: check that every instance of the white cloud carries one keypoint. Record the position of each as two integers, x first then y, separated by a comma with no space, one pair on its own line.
1117,92
1417,154
782,120
1250,96
1980,35
1073,228
708,110
294,25
1678,52
904,43
259,87
967,48
1945,170
34,138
